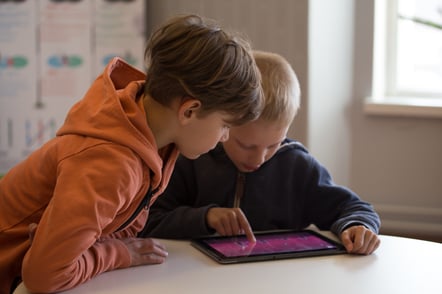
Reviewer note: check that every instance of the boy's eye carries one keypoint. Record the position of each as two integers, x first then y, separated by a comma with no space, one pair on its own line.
244,146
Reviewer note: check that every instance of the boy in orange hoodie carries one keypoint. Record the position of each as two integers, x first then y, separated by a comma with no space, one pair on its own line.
86,193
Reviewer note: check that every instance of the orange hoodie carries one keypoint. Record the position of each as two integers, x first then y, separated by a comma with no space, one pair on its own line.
80,187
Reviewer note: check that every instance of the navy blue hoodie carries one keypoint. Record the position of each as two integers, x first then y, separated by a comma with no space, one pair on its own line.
292,190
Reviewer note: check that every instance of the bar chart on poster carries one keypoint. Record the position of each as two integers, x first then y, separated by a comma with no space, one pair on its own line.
50,53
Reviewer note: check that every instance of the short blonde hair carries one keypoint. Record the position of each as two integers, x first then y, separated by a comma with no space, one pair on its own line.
193,56
280,85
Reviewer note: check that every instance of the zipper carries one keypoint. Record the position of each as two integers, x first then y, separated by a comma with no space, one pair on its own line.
239,190
144,204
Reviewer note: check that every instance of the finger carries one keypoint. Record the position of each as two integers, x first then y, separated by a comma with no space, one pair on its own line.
232,224
373,244
219,228
152,258
160,251
152,252
224,224
377,244
159,245
249,234
358,241
214,219
347,241
225,221
156,259
366,240
245,226
149,245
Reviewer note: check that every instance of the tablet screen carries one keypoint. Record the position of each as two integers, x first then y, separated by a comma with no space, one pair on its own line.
269,245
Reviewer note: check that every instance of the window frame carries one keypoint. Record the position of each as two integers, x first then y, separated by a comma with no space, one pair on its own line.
384,100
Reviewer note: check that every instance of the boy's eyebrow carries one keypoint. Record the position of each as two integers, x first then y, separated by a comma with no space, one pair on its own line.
242,144
276,144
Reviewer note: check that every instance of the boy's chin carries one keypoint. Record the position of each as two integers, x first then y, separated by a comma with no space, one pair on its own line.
245,169
190,156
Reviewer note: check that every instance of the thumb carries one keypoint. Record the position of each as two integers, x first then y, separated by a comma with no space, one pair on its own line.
347,241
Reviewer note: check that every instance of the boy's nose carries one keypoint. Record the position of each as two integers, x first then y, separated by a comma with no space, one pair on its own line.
258,159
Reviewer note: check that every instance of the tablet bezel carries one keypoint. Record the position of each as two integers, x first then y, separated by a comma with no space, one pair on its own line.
202,245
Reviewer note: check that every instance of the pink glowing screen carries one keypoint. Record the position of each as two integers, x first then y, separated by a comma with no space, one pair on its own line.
269,244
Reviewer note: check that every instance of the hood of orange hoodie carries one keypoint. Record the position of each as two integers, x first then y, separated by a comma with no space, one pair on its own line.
111,110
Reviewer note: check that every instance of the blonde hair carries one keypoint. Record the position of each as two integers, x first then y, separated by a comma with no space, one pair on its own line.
280,85
193,56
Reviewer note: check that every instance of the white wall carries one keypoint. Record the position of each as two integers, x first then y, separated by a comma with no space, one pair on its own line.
330,66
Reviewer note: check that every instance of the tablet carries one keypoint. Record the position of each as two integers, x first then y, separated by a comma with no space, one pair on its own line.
269,245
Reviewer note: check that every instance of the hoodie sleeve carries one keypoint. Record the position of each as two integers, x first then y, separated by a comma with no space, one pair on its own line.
174,214
348,208
93,188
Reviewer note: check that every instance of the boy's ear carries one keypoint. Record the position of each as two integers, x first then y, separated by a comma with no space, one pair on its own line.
188,109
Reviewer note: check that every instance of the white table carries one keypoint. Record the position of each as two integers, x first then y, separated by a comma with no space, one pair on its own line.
399,266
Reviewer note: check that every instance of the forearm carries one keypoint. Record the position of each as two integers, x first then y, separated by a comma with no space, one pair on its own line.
357,214
41,274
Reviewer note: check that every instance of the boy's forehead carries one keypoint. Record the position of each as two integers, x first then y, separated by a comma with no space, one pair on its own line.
264,126
260,132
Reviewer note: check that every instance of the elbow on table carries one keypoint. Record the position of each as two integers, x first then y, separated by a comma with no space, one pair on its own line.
40,279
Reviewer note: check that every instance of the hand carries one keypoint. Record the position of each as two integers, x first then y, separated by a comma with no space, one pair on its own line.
142,251
229,222
145,251
360,240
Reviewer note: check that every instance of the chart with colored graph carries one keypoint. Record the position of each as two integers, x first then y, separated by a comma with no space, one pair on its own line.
50,53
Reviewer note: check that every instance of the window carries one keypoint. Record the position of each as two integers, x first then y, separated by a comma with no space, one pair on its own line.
407,75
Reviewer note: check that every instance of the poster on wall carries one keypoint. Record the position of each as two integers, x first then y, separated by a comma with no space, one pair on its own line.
65,50
18,75
118,23
18,45
50,53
